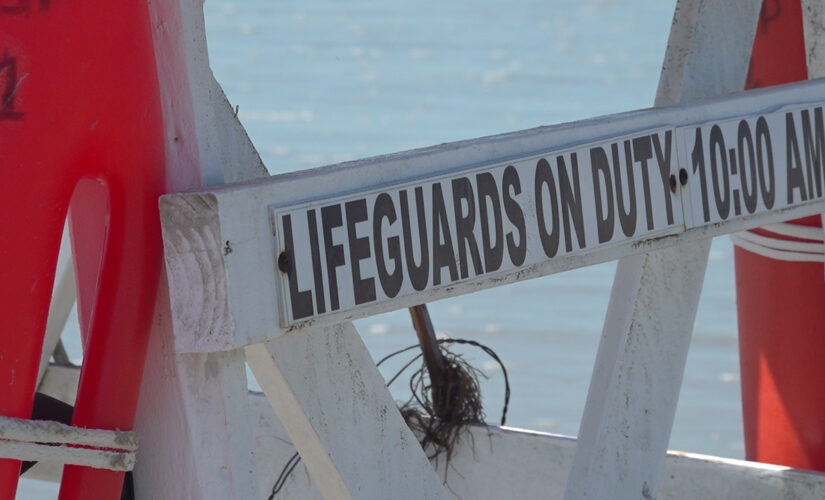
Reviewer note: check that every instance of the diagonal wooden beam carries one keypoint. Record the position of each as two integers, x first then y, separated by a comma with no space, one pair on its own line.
333,402
635,386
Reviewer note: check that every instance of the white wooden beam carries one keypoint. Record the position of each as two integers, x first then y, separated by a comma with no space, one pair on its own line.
223,246
192,416
63,299
214,390
633,393
494,463
813,25
334,403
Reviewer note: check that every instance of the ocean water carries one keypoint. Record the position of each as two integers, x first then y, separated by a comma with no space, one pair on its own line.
322,82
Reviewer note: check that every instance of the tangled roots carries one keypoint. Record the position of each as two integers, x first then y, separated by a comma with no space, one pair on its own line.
438,412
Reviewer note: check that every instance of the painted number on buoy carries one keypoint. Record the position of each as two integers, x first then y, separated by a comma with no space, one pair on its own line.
9,84
753,165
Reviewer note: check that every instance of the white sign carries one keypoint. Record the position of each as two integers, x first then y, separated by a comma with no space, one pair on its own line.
345,252
392,242
752,165
346,241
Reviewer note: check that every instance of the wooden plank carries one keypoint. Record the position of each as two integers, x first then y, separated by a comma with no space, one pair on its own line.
813,24
334,403
61,382
63,299
214,389
494,463
638,372
223,246
191,414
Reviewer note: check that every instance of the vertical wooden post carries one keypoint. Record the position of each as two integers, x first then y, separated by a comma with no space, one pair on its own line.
813,25
635,385
193,413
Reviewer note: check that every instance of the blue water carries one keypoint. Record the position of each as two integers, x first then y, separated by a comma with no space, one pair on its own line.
322,82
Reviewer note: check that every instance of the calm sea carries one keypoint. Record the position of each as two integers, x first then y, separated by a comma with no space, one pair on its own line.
322,82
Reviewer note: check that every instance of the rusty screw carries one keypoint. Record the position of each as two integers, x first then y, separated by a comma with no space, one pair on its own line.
683,176
284,262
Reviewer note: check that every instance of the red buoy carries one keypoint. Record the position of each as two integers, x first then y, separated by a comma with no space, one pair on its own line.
82,132
781,302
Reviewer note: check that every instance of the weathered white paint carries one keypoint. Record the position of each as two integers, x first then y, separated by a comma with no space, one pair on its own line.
191,430
46,431
335,405
227,243
63,299
214,391
273,449
813,24
63,454
494,463
61,382
639,367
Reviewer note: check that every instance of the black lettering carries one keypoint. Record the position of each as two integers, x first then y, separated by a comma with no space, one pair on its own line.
663,159
627,216
359,249
8,66
767,186
544,176
14,8
814,143
315,252
443,250
487,190
642,152
391,283
419,274
744,144
17,7
796,179
463,190
719,163
605,217
331,218
571,202
510,179
301,300
697,158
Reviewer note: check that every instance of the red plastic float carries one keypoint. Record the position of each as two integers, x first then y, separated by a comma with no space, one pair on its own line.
781,304
81,132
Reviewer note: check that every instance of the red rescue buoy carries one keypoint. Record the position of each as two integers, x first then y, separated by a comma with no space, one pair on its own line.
82,132
781,294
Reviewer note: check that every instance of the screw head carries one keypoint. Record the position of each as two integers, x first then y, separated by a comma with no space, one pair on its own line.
672,183
284,262
683,176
